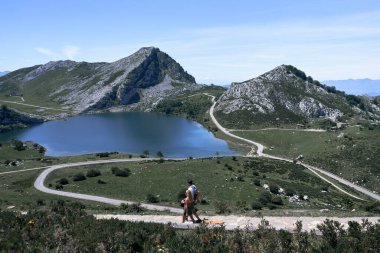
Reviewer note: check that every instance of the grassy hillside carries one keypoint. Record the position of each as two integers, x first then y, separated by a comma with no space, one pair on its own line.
351,153
192,105
226,184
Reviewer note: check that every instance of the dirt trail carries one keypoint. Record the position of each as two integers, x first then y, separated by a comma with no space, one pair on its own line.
232,222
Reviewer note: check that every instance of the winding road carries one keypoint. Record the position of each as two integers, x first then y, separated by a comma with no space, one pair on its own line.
39,185
315,170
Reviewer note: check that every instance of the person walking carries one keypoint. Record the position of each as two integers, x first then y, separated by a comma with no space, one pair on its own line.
196,196
188,207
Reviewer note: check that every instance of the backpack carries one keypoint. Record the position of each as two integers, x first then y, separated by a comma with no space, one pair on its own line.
196,194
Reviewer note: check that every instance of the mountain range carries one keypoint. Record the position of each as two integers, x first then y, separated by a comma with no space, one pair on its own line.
357,86
3,73
148,77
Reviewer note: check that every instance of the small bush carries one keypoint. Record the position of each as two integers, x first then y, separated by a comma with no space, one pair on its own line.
290,192
40,202
277,200
255,173
152,198
114,169
93,173
123,173
274,188
256,182
101,182
132,208
58,187
221,207
79,177
63,181
256,205
265,197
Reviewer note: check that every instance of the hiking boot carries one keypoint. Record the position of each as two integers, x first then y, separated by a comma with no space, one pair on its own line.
198,221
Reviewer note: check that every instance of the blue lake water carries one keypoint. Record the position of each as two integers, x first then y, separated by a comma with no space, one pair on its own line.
129,132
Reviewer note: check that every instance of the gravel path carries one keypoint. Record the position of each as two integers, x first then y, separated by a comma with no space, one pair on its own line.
280,129
232,222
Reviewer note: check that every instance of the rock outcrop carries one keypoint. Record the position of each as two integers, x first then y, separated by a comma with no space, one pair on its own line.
284,89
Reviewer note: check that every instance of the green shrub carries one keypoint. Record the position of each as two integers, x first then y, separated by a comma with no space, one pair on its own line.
274,188
131,208
40,202
152,198
222,207
114,169
18,145
63,181
123,173
277,200
101,182
290,191
256,182
79,177
256,205
58,187
265,197
93,173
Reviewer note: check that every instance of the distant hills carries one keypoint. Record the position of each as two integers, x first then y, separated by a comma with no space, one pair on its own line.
137,81
357,86
4,73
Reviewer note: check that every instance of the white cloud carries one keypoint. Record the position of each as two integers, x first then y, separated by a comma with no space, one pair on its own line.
70,51
45,51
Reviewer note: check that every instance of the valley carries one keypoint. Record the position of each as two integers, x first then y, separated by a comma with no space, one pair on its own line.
266,110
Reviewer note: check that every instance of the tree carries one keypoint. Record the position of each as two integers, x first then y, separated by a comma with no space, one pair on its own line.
18,145
160,154
79,177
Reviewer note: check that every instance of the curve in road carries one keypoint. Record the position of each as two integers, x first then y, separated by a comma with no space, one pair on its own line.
39,185
260,152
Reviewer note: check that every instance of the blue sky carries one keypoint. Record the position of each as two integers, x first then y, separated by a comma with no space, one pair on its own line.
215,41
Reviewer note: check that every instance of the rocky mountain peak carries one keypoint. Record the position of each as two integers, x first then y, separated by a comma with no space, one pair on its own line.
285,90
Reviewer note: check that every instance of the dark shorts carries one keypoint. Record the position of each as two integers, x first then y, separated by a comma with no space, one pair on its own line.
190,210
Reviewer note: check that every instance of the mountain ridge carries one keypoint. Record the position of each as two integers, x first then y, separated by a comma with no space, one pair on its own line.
287,94
83,86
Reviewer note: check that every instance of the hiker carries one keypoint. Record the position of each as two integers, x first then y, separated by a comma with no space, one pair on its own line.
196,196
188,206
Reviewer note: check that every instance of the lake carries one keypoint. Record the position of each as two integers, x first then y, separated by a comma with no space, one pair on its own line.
130,132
